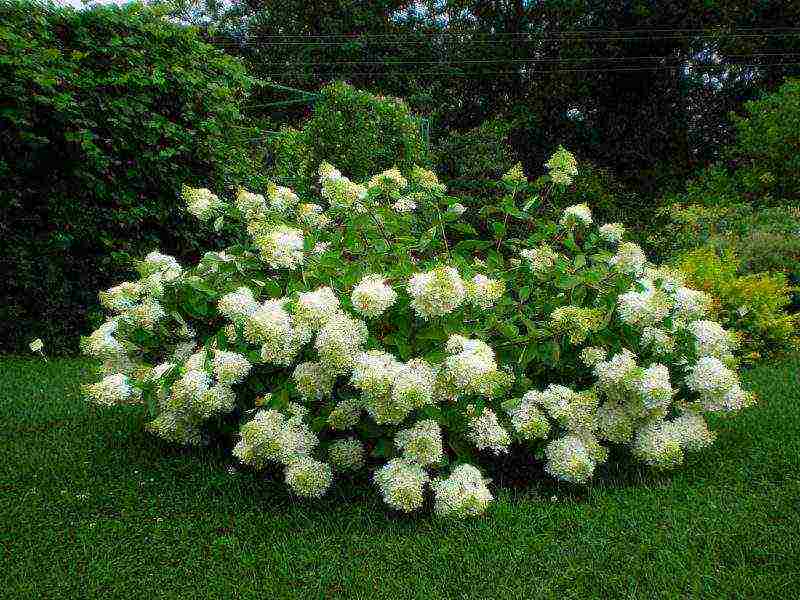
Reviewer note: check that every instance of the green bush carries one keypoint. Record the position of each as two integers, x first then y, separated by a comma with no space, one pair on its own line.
754,304
105,113
470,161
760,167
359,132
763,239
353,333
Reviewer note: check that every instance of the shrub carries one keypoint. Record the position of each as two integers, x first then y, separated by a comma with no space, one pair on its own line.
760,167
471,161
105,113
753,305
361,133
362,335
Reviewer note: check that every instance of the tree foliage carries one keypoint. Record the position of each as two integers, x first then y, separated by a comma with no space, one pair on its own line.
105,113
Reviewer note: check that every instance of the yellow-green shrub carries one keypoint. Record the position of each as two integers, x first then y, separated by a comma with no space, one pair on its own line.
753,305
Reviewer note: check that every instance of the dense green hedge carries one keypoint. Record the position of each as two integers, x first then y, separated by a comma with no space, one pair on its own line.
360,133
104,113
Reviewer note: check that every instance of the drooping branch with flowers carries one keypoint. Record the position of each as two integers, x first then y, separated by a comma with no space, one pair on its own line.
372,327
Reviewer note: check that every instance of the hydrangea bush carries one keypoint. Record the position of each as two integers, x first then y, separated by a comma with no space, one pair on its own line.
369,328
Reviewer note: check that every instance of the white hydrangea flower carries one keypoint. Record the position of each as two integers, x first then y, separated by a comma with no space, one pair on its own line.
271,436
486,432
711,339
462,494
308,477
252,206
629,259
216,400
471,367
167,266
692,431
612,232
179,428
347,454
562,166
188,389
346,414
577,214
196,361
112,390
374,373
146,315
343,194
616,375
316,308
457,209
421,443
372,297
574,411
160,370
654,387
426,179
389,181
413,385
569,459
526,418
201,202
339,341
436,293
515,176
405,204
312,216
717,385
237,305
575,322
312,381
230,367
658,340
282,248
272,327
484,292
668,278
327,171
122,297
592,355
542,259
282,199
402,484
659,446
690,304
647,307
614,423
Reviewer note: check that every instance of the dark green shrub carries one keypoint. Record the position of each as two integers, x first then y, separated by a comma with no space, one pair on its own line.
760,167
470,161
360,133
105,113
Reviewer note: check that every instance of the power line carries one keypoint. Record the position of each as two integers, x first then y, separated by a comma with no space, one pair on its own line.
749,30
513,60
526,71
261,41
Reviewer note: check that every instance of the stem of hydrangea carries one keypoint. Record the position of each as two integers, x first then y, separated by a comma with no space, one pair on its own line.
441,226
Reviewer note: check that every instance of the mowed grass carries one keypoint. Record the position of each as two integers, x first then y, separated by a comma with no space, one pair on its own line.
92,507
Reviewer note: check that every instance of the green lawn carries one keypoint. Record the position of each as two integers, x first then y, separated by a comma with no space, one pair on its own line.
93,507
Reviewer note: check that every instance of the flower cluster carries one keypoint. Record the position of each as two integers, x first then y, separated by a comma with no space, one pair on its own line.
563,166
436,293
372,297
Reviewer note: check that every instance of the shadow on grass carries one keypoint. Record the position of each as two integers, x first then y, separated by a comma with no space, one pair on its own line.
210,479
